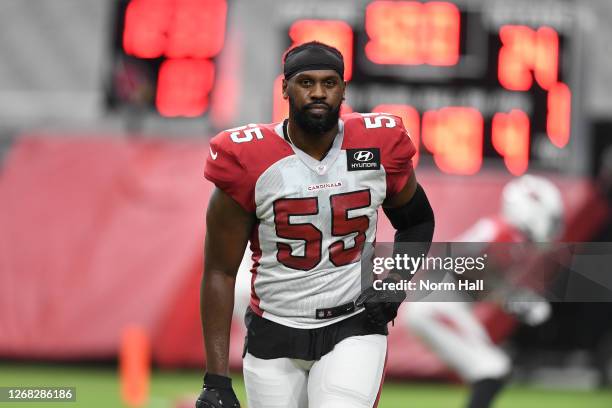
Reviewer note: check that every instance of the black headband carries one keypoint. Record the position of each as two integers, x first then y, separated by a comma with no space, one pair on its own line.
313,58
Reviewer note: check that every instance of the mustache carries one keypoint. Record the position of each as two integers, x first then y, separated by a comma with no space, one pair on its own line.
317,105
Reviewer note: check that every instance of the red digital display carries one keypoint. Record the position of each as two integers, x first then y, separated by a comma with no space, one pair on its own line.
510,137
454,136
393,48
558,124
185,32
410,118
174,28
526,53
183,87
338,34
146,24
413,33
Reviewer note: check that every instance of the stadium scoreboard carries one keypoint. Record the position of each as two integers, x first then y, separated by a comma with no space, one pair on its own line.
471,80
164,54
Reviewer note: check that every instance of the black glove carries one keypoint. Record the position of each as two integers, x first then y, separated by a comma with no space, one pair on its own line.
381,305
217,393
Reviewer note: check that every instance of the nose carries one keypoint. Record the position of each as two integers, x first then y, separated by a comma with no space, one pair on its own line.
318,92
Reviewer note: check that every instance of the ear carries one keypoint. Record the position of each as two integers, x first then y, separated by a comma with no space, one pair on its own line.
285,94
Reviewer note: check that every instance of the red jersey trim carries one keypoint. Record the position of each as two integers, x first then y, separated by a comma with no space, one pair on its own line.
396,148
256,249
235,160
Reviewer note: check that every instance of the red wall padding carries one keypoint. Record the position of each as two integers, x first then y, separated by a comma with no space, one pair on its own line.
98,233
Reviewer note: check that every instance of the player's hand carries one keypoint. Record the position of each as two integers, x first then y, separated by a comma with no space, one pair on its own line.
217,393
381,305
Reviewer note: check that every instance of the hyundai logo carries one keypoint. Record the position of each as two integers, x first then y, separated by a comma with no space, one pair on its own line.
363,156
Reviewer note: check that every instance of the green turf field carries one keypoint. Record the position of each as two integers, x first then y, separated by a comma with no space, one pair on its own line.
98,387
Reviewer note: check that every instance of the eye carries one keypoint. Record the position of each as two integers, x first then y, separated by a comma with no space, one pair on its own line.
330,83
306,82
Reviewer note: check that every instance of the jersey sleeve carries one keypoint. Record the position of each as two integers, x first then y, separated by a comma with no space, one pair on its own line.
225,170
397,153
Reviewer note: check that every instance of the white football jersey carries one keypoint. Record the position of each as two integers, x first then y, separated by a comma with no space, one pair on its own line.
313,217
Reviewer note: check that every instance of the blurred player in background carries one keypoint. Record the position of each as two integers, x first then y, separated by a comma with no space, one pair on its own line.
305,192
531,212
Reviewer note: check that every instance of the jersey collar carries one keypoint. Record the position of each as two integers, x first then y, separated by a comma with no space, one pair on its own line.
319,167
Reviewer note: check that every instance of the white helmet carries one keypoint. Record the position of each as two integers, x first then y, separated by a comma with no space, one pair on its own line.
533,205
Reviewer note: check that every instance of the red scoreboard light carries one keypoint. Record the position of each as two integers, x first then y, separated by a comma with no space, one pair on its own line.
174,28
526,51
454,136
145,27
183,87
510,137
174,41
413,33
558,123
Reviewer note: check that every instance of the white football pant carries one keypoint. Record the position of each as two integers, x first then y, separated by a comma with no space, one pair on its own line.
242,290
350,376
458,338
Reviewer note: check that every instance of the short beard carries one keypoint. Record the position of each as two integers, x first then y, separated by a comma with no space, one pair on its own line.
314,125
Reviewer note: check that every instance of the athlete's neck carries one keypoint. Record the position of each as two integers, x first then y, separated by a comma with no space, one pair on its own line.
315,146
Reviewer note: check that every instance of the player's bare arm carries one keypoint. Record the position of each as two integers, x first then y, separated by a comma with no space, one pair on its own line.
228,227
403,196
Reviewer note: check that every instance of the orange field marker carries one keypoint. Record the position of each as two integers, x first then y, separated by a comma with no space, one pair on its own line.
134,366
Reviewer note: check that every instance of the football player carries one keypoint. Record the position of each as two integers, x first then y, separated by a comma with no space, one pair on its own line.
305,192
531,213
